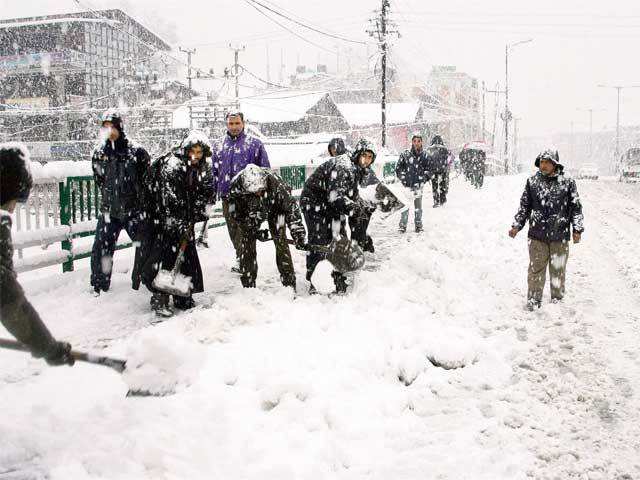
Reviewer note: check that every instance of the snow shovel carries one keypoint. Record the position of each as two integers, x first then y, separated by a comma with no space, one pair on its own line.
114,363
173,282
344,255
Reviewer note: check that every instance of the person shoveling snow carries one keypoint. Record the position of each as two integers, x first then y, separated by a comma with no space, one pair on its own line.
181,186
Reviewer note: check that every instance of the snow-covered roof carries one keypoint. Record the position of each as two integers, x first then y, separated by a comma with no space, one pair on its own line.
282,106
366,114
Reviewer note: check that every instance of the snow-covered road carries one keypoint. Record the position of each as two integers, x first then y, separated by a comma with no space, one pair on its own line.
324,388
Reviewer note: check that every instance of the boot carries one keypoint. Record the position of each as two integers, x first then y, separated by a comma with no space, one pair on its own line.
419,228
533,304
183,303
340,282
160,305
312,290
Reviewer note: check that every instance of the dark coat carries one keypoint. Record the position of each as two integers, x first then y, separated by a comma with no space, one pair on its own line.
276,205
437,159
16,313
411,169
551,204
333,187
120,169
175,200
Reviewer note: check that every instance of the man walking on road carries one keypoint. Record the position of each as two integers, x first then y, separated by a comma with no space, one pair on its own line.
236,151
552,205
411,170
438,164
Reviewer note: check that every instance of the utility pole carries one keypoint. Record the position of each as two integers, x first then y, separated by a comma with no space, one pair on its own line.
619,88
507,116
236,72
484,112
380,33
572,143
189,52
496,92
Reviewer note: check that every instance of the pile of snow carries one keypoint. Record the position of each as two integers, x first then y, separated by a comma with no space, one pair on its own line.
61,169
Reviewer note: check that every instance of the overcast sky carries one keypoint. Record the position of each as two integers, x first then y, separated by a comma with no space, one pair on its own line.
576,44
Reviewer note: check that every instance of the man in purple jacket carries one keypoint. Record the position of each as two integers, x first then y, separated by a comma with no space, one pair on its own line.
236,151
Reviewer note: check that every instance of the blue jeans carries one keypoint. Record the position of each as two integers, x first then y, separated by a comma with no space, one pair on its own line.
417,203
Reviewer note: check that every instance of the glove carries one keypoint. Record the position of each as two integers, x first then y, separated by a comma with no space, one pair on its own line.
59,354
368,245
300,243
262,235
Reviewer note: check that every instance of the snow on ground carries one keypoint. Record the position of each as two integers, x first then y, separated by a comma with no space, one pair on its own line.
316,387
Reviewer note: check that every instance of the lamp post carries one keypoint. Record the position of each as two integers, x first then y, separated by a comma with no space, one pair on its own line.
507,114
619,88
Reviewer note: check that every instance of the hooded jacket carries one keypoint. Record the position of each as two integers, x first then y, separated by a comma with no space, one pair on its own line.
411,169
120,170
551,204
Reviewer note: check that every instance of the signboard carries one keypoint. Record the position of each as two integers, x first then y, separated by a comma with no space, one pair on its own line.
38,61
34,102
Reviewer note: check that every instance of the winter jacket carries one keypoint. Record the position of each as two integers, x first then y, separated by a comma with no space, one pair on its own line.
334,186
120,169
251,210
551,204
16,313
232,156
437,159
411,169
178,192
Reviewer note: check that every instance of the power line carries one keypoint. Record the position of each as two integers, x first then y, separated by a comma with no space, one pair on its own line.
250,3
307,26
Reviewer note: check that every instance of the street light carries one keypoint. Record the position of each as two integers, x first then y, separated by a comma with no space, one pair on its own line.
618,88
507,114
590,110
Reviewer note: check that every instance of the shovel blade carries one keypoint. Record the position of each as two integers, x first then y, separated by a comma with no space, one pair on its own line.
167,282
387,201
346,256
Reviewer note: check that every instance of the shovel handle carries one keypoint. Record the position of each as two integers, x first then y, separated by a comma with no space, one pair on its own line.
114,363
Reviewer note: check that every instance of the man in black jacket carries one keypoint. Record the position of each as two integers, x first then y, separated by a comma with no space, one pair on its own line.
119,169
438,165
411,170
551,204
16,312
330,197
257,195
180,188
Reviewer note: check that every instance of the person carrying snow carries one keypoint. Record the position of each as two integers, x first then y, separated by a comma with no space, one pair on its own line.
235,151
551,204
120,169
438,166
330,197
16,312
180,188
411,170
259,195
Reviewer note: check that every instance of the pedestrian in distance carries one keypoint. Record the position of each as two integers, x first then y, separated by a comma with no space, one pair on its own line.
438,165
551,204
16,312
411,170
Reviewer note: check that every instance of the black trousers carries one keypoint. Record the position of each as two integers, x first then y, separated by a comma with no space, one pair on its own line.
104,245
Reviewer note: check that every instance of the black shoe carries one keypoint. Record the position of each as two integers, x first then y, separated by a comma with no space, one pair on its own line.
436,205
312,290
160,305
183,303
368,245
402,229
419,229
533,304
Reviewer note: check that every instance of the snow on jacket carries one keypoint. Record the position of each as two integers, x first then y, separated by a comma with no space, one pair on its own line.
178,192
16,313
250,210
551,204
411,169
437,159
334,185
120,170
232,156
